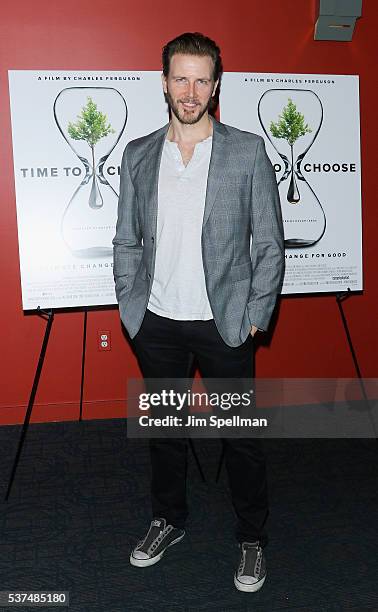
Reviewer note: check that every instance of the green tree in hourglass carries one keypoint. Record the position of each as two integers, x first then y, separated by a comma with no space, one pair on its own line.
291,126
91,126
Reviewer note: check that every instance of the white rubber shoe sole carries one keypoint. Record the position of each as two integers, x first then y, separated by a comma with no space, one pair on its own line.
249,588
153,560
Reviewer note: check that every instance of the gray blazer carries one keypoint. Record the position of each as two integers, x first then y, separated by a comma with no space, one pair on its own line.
242,279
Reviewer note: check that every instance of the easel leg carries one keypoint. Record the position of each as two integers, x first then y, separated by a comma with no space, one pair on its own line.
83,363
50,317
340,297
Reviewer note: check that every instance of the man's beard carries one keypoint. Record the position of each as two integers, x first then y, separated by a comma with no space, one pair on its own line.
183,117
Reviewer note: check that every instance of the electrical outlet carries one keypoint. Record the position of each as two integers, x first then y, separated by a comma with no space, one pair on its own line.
103,341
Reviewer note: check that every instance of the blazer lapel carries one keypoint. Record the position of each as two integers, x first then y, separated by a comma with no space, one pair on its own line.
152,167
218,162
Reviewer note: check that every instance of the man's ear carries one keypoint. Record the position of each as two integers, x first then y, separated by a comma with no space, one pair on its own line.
215,88
164,82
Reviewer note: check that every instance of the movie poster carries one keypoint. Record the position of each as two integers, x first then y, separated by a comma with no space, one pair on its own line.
69,132
311,127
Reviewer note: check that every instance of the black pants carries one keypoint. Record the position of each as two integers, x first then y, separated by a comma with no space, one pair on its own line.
165,348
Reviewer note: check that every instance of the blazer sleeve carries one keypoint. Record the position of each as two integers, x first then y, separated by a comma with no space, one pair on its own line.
267,250
127,243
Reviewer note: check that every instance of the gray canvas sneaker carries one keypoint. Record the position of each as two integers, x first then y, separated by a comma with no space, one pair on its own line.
251,573
158,538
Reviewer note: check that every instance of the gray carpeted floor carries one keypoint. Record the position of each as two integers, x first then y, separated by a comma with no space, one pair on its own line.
81,500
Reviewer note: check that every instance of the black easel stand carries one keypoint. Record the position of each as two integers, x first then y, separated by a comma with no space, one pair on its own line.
49,316
340,297
83,363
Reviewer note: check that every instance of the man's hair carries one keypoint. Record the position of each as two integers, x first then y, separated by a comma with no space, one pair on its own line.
193,43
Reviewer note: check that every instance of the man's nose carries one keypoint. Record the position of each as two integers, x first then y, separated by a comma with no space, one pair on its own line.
191,89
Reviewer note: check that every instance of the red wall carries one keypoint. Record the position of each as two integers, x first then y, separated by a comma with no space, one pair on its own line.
274,36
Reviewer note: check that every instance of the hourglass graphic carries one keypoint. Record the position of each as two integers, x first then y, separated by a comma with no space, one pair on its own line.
291,119
91,120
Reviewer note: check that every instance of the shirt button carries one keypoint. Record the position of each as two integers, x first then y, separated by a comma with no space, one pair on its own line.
152,239
149,275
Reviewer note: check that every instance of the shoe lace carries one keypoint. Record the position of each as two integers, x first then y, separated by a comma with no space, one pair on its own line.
253,567
160,537
150,536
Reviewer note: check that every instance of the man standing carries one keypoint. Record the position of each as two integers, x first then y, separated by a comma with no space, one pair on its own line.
189,283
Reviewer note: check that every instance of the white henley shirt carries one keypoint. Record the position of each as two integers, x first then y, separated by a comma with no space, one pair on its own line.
178,289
